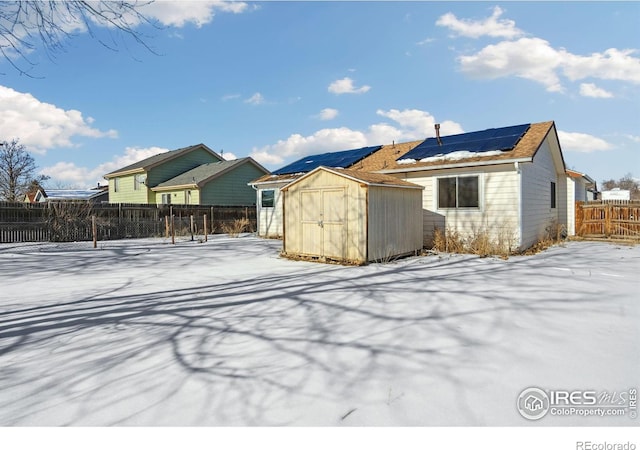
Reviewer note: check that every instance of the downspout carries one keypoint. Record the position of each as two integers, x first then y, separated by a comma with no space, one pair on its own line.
520,199
258,207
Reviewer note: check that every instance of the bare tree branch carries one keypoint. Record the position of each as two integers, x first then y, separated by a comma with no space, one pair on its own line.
48,25
17,171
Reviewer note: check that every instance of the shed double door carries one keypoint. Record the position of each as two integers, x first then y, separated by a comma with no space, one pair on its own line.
323,222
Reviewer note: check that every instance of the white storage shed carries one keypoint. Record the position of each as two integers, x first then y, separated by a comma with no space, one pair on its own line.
351,217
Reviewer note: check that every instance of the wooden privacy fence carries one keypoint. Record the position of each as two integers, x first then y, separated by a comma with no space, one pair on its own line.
81,221
609,219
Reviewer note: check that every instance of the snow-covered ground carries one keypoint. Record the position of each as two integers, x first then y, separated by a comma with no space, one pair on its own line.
226,332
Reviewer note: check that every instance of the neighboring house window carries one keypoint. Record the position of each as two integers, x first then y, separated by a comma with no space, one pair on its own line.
166,199
116,184
187,197
553,195
137,181
458,192
268,198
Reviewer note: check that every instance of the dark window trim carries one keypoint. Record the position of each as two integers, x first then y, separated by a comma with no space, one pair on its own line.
457,199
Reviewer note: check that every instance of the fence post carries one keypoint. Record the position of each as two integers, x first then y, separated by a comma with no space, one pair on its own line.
607,220
579,219
173,229
191,225
166,226
94,230
206,230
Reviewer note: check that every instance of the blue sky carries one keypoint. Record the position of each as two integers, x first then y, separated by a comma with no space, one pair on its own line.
279,80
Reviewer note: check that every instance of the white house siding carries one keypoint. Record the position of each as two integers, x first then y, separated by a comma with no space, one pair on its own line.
572,195
498,213
537,214
270,219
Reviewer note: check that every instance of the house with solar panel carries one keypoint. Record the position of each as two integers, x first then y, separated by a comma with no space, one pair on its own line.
268,187
510,182
194,175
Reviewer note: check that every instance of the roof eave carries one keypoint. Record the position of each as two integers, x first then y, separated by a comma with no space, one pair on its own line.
175,187
459,165
125,172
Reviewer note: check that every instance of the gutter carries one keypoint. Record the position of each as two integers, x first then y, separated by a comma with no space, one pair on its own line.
456,165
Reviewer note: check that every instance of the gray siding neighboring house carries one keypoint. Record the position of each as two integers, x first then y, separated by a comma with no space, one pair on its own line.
223,183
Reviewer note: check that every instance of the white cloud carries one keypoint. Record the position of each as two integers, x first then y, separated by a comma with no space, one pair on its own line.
417,124
530,58
41,126
613,64
591,90
411,124
345,86
69,173
228,97
328,114
228,156
255,99
199,13
492,26
534,58
581,142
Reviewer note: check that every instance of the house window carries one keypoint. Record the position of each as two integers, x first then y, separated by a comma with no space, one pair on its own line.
553,195
166,199
268,198
458,192
137,181
116,184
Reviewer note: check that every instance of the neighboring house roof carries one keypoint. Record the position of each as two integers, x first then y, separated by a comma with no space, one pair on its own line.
576,174
155,160
523,149
203,174
30,197
368,178
72,194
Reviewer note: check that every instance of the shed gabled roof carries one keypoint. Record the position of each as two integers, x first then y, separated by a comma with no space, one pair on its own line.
203,174
155,160
368,178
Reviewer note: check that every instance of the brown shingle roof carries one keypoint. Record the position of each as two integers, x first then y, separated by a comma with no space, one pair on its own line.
369,178
272,178
385,159
375,178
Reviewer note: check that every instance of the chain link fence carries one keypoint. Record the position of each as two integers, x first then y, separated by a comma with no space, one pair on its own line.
82,221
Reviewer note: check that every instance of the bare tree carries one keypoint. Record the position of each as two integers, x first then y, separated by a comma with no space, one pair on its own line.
17,171
627,182
27,25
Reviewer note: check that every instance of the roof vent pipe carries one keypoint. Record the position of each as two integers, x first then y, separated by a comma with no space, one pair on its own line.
437,125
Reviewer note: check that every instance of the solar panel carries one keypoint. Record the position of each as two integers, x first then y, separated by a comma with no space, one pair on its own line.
342,159
502,139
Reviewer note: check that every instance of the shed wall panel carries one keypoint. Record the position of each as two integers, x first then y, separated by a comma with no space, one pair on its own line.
395,222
